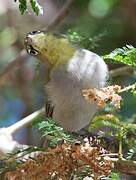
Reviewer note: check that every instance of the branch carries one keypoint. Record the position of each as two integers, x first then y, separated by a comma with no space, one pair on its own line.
125,70
23,54
25,121
127,167
131,87
15,63
7,142
123,165
60,16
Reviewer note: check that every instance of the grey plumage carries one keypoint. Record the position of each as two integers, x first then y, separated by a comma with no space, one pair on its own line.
84,70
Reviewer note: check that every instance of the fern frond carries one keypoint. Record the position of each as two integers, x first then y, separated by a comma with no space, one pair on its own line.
130,128
109,121
132,149
125,55
85,41
50,129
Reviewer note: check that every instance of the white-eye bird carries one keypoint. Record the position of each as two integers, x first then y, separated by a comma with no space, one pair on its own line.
70,70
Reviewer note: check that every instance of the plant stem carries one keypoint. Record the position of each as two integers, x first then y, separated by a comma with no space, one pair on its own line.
121,71
120,149
133,86
25,121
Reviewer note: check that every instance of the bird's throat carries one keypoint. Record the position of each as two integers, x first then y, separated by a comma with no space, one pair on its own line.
55,50
58,51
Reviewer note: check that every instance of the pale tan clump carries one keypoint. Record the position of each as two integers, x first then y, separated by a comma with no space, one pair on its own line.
64,161
103,95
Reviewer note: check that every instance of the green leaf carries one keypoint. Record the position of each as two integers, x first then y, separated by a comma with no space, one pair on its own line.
105,121
22,6
130,128
50,129
85,41
125,55
34,4
115,176
36,7
134,93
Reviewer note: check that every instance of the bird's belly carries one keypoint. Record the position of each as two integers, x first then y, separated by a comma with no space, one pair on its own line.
71,110
74,118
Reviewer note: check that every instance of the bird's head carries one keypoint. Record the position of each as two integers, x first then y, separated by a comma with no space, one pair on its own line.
49,47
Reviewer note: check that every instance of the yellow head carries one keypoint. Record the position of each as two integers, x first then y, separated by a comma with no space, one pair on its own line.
48,47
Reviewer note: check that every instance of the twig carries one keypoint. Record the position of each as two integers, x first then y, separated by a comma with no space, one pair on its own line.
131,87
60,16
23,54
125,70
8,144
25,121
123,165
15,63
110,155
127,167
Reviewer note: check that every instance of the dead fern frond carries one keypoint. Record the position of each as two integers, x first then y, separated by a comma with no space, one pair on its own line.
63,162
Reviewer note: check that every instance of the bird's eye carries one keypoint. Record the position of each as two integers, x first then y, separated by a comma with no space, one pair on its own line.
32,51
34,32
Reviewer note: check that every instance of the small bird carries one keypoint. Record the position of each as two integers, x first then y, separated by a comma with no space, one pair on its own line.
70,69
